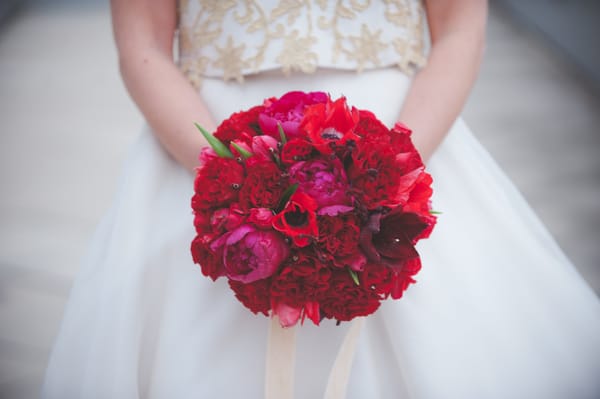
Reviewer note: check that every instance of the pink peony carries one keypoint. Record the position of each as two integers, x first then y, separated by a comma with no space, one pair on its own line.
250,254
288,111
324,180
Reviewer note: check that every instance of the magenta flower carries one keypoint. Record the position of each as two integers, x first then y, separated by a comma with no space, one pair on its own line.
261,217
250,254
324,180
288,111
226,219
264,146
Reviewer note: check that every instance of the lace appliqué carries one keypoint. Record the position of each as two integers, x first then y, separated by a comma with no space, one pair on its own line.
232,38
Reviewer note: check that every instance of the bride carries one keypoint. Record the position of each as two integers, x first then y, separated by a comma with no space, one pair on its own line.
497,312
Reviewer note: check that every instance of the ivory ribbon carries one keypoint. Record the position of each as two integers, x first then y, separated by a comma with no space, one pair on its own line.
281,356
340,373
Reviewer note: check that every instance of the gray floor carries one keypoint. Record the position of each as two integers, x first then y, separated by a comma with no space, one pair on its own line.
66,122
569,26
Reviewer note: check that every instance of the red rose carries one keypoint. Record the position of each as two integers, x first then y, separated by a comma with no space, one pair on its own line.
330,125
345,300
298,219
240,126
339,236
209,260
263,186
218,182
254,296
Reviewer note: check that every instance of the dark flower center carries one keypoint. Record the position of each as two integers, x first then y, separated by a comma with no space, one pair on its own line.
296,219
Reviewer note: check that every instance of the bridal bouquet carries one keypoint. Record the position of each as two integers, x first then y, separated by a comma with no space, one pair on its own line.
310,208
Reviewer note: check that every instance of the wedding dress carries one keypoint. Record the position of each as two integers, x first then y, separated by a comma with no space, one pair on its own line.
497,310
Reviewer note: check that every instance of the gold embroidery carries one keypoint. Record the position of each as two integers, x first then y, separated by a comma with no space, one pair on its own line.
411,51
296,54
231,38
366,48
230,60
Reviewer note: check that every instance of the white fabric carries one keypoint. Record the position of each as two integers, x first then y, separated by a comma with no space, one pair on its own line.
497,312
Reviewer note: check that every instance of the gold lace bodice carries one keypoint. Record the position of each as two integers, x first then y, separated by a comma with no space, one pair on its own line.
233,38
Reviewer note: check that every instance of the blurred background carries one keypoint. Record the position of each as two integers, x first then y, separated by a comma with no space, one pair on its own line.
66,123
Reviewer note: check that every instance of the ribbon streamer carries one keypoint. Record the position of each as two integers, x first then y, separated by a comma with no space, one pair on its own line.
340,372
281,358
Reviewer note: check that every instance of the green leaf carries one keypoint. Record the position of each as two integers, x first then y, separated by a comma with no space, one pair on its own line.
215,143
435,213
244,153
281,134
285,197
354,276
276,159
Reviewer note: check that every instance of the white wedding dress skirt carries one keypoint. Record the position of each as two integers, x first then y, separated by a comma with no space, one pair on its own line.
497,312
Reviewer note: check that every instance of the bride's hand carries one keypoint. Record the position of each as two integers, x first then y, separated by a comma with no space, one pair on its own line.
440,89
144,32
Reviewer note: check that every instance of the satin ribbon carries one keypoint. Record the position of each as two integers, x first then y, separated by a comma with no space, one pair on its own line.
281,356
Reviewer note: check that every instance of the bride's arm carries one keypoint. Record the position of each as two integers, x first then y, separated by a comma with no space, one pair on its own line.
144,31
440,90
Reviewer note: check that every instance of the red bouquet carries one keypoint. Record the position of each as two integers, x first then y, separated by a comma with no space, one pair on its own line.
310,208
